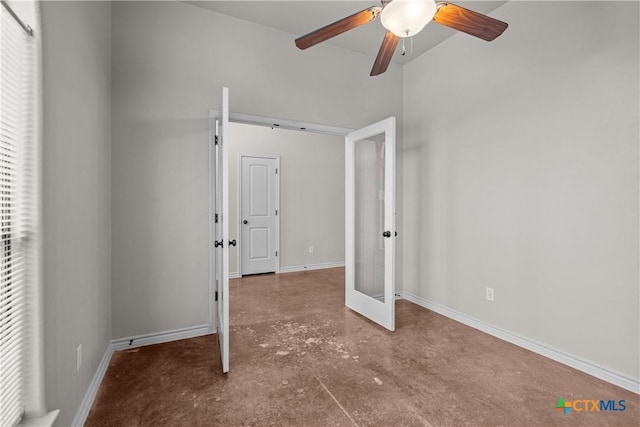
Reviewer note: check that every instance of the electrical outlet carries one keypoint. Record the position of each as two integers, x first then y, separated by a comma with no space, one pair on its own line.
490,294
78,358
310,249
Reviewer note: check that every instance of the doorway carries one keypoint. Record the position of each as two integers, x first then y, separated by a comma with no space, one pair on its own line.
310,217
371,303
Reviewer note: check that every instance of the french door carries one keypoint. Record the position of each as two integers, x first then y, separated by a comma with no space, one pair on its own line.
219,226
370,222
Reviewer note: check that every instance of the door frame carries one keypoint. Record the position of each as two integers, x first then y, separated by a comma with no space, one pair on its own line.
271,122
239,208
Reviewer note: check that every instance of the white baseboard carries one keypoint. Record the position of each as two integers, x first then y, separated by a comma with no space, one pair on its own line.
89,396
308,267
605,374
126,343
160,337
44,421
295,268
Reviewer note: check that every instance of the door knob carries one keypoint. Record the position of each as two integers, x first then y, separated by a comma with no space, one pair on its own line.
245,222
387,234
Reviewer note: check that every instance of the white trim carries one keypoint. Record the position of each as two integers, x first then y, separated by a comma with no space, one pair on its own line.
45,421
90,395
593,369
238,217
287,124
123,344
295,268
211,223
160,337
251,119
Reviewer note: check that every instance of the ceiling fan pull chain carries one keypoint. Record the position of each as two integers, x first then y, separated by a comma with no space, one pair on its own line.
411,45
403,49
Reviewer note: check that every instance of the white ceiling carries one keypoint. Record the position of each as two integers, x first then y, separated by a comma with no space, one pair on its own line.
303,16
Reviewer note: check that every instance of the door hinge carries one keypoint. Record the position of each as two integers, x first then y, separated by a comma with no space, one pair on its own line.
216,140
276,171
276,253
216,297
276,211
216,219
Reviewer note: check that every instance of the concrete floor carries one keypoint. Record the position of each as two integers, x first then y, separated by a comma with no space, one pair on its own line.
300,358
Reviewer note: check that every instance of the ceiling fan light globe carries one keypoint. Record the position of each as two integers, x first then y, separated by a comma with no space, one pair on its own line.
405,18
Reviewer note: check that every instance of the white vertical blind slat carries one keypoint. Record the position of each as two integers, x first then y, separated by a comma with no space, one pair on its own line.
16,139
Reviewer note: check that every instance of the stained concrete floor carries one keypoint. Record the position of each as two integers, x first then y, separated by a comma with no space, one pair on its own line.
300,358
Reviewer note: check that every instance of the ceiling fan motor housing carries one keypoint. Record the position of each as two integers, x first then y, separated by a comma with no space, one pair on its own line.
405,18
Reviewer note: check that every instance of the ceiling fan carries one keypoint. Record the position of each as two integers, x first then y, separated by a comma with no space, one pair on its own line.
405,18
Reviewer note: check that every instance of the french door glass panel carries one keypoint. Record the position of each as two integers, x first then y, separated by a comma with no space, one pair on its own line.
369,217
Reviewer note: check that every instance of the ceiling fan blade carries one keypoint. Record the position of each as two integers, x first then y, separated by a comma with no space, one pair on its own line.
338,27
468,21
385,53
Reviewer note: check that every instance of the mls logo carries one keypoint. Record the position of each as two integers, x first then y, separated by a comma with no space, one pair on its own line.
563,406
584,405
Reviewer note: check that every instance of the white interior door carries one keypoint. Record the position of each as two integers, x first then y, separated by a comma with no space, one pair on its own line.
221,228
370,222
258,188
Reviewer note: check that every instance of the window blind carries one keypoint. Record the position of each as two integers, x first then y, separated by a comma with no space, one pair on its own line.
17,133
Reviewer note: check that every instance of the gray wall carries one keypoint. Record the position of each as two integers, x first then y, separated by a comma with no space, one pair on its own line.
521,174
76,177
311,192
170,61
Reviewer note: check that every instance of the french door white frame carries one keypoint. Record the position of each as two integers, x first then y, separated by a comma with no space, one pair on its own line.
239,216
219,241
381,312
